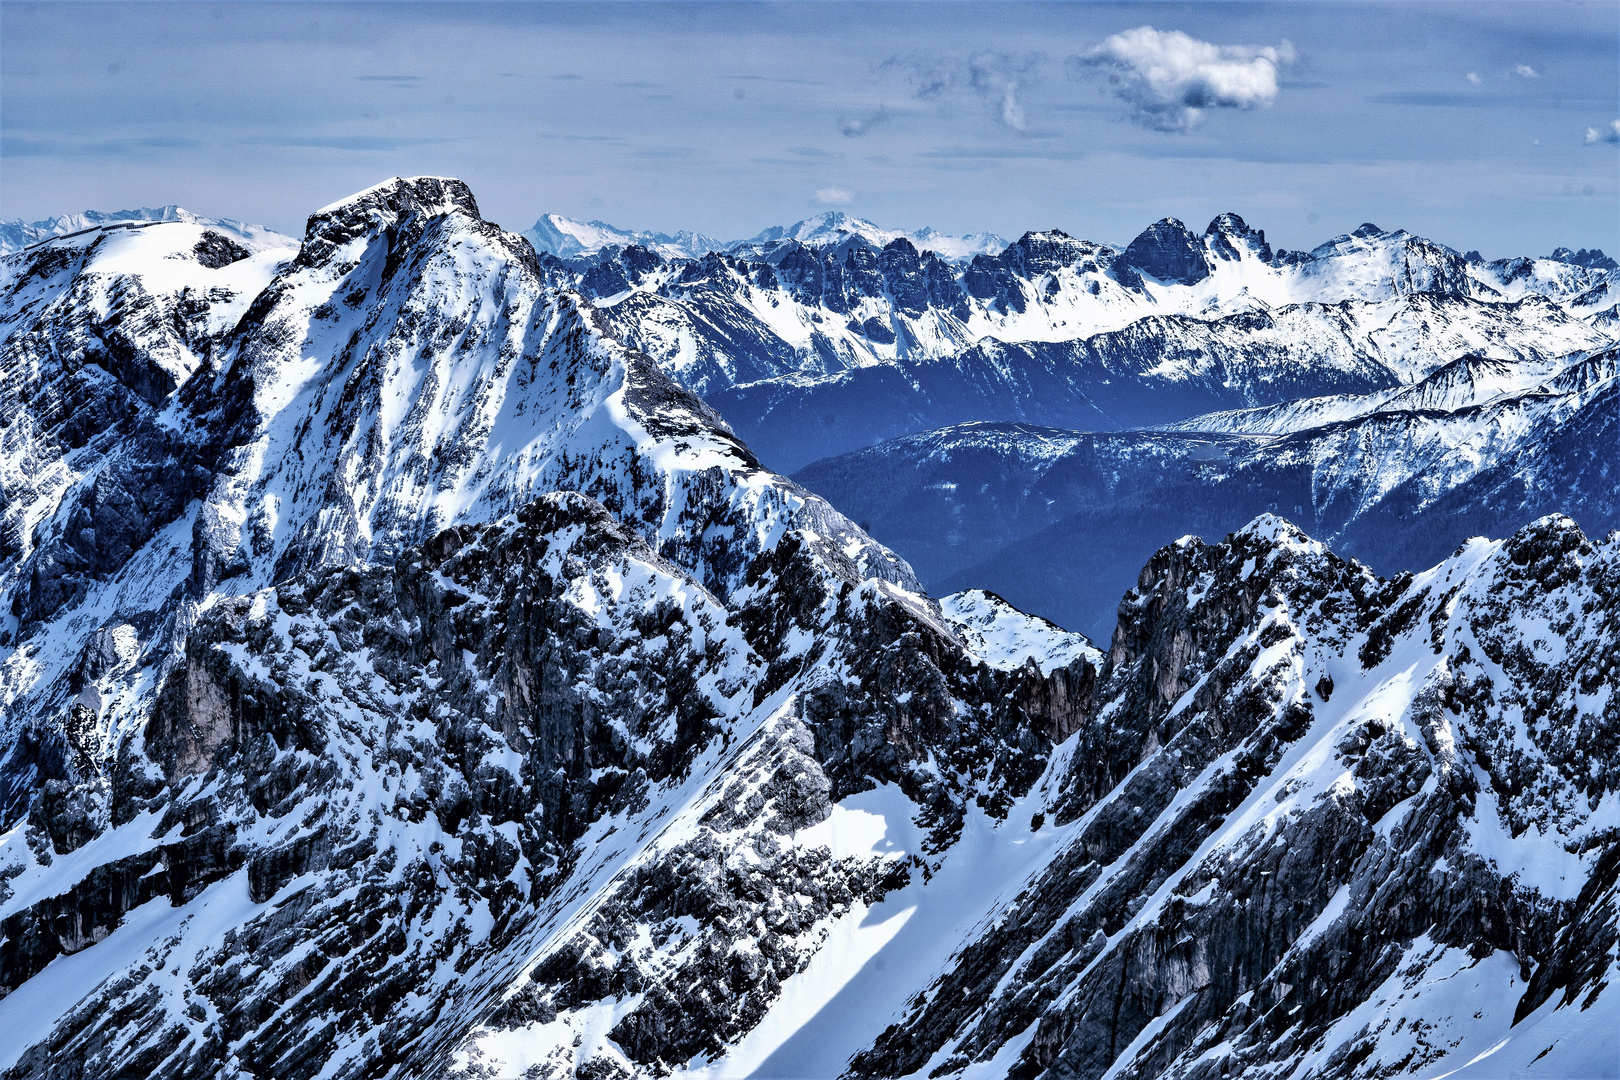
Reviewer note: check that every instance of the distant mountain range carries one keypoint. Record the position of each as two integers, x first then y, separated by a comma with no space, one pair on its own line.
18,234
567,238
1059,522
815,351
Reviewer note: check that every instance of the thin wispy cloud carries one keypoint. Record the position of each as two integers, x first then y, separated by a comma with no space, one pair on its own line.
1473,77
834,196
994,78
1169,78
1610,134
12,146
856,126
1525,71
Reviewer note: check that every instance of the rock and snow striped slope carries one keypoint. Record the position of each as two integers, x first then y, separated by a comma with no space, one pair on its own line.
425,683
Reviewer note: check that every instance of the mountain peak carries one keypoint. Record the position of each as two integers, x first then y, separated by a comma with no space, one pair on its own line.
401,195
1166,250
836,219
568,238
382,205
1228,230
1227,223
1592,259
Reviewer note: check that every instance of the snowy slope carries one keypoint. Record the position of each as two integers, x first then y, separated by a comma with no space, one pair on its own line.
1004,637
420,682
1467,381
98,333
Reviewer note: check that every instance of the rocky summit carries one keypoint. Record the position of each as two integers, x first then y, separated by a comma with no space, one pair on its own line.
405,672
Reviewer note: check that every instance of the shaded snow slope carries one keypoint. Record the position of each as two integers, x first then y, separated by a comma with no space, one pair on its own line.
1059,521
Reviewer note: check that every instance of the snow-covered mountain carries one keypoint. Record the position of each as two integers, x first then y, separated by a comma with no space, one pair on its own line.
1060,521
834,227
402,675
895,340
18,234
567,238
411,379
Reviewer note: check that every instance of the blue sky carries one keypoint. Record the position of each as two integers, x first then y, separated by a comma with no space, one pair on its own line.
1480,125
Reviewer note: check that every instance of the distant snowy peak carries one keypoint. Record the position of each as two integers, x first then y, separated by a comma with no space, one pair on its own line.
1371,263
18,234
832,227
835,227
1229,267
567,238
1585,280
1593,259
956,247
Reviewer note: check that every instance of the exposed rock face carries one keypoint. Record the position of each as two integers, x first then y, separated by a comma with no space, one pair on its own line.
999,280
1228,236
215,250
1167,251
487,709
1592,259
1286,842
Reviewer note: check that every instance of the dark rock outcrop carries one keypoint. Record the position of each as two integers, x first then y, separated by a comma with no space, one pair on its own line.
1167,251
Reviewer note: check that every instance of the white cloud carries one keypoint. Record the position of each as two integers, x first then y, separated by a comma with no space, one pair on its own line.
994,78
1611,135
1525,71
1169,78
834,196
1473,77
